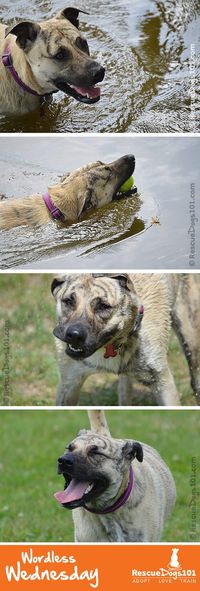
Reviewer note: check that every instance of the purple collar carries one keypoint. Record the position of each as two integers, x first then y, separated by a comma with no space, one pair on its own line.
120,502
55,212
8,63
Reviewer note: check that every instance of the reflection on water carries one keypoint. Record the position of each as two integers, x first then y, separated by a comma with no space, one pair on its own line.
151,67
123,234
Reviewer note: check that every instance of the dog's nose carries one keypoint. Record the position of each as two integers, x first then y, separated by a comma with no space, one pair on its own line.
65,462
129,158
98,73
75,334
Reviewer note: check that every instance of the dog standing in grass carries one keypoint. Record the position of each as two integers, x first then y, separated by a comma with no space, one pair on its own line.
120,323
119,490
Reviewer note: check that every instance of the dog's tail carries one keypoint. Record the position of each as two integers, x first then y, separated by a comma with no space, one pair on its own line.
98,422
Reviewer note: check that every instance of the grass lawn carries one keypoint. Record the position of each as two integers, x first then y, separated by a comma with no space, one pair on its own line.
31,442
27,303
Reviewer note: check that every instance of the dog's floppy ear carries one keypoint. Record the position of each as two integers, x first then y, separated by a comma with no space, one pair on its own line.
26,33
133,449
123,279
71,14
56,283
84,202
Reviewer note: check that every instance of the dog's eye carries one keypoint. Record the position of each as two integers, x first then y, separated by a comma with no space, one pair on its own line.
102,306
62,54
70,447
82,44
70,301
94,449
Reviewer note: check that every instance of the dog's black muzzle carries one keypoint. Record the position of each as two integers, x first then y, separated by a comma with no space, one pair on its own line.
77,337
126,166
65,464
74,468
80,341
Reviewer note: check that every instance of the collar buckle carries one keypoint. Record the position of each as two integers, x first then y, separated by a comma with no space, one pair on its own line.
7,60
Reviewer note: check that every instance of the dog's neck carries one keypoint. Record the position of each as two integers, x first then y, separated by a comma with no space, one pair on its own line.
22,69
116,358
53,210
70,205
120,499
111,349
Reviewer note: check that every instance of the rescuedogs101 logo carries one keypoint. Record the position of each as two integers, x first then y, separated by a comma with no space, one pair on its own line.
173,571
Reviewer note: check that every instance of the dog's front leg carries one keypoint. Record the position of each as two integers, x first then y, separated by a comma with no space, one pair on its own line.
69,389
72,376
165,390
125,388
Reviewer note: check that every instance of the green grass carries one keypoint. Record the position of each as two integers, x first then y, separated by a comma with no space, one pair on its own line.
28,304
31,442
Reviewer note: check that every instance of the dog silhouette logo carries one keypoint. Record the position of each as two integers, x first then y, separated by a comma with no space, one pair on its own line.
174,561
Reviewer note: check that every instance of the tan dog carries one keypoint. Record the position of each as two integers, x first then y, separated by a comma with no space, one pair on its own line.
119,490
89,187
101,328
47,57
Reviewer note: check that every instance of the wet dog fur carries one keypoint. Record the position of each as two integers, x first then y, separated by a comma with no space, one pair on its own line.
48,56
95,310
87,188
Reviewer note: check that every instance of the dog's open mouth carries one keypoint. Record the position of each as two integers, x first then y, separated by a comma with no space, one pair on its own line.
77,493
78,353
117,195
86,351
87,94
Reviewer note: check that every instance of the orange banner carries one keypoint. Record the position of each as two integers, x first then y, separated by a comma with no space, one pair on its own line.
82,568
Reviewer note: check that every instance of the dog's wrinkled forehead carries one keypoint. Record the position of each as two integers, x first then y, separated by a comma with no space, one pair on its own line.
55,33
88,440
80,284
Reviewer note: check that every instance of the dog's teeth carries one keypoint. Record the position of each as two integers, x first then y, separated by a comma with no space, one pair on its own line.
89,488
74,349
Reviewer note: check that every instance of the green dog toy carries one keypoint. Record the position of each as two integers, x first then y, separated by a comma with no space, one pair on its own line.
127,186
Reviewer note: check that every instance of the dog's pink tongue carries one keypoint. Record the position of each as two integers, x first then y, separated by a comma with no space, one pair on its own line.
91,91
73,492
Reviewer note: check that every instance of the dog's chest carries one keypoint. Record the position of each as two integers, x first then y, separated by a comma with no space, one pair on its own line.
117,528
110,364
94,528
130,361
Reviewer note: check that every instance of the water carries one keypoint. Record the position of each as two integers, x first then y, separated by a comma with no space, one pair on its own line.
122,235
145,46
